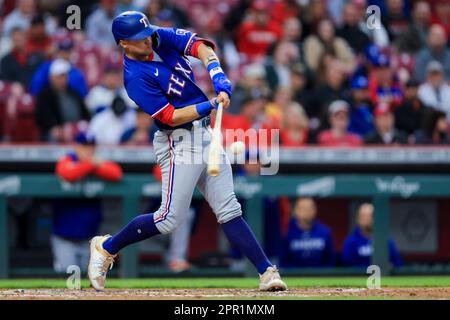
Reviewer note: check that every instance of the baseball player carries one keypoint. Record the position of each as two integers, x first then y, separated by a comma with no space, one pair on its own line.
159,79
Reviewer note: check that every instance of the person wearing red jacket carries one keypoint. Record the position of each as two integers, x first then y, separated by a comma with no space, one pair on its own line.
75,221
259,33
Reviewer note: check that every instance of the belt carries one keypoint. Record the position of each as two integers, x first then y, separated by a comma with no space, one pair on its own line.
202,123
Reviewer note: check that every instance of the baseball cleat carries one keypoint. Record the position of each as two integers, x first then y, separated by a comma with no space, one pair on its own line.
99,263
271,280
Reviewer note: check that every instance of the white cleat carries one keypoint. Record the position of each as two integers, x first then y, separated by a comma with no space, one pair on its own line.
271,280
99,263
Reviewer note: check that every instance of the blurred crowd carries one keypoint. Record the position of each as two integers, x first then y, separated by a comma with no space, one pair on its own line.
323,72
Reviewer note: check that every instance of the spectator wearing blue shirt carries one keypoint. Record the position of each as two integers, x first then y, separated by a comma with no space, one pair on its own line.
75,77
357,251
308,243
361,117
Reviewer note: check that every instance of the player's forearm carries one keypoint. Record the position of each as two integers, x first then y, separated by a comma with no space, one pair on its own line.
190,113
207,55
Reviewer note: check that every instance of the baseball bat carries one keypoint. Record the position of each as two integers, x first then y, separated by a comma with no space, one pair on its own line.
216,144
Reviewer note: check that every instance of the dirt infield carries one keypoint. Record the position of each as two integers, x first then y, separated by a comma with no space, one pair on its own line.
174,294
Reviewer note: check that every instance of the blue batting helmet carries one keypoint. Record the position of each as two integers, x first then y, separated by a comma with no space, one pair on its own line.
131,25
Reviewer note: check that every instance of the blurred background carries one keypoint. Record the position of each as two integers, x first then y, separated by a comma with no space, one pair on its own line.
361,101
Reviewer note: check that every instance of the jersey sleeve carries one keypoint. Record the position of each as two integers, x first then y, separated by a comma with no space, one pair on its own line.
147,95
179,39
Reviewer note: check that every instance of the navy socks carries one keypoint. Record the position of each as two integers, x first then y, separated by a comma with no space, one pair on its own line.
237,231
241,236
140,228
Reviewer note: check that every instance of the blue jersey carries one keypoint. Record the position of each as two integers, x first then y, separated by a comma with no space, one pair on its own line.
167,79
357,250
307,248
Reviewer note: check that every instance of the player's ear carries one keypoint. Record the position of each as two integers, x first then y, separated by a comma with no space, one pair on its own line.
123,44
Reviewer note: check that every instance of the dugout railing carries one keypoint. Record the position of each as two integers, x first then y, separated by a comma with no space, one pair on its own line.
379,188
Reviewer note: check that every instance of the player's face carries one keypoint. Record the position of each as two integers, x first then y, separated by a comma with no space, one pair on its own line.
138,49
305,209
365,217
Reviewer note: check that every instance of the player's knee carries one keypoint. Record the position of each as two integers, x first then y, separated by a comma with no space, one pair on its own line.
229,212
168,225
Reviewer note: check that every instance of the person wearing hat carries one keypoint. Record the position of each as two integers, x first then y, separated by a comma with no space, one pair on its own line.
385,133
102,95
58,104
338,134
75,221
383,85
254,80
75,78
435,92
361,118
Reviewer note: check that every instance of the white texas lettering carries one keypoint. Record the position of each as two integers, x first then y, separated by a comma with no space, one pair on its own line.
179,67
175,85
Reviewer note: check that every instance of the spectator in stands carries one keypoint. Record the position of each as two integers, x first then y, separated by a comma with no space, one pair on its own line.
109,125
351,31
20,17
142,133
275,109
435,129
308,243
38,41
435,51
435,92
99,22
57,104
166,8
383,85
253,81
294,130
409,115
338,135
278,68
75,221
441,15
385,132
415,37
292,31
301,85
361,118
357,250
315,11
76,79
332,88
326,42
101,96
256,35
19,65
395,20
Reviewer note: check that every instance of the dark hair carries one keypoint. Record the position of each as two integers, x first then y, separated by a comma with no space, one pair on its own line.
431,119
412,83
37,20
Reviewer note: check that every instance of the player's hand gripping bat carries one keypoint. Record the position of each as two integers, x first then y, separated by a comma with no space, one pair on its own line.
216,144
